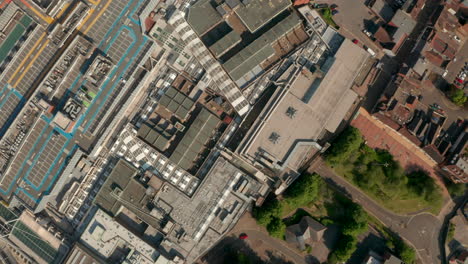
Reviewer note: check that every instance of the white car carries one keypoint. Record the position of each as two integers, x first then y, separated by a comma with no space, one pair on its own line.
462,76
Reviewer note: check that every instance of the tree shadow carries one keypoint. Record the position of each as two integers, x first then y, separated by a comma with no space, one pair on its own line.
229,250
311,260
274,258
370,242
296,217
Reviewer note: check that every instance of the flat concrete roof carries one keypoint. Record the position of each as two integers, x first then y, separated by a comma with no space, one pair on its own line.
120,177
202,16
256,13
318,103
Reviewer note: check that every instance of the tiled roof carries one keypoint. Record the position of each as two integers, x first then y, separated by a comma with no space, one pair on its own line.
434,58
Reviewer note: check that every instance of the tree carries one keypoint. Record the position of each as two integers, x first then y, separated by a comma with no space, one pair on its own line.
276,227
345,145
356,222
263,215
304,190
420,184
243,259
345,248
457,96
407,253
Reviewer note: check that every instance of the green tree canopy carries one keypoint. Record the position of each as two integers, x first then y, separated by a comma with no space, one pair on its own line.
276,227
457,96
356,222
271,208
347,144
423,185
344,249
304,190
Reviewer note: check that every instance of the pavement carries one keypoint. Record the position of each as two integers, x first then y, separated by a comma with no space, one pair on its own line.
454,67
421,229
350,18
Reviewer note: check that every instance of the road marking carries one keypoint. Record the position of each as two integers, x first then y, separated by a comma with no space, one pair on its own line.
27,57
98,15
31,62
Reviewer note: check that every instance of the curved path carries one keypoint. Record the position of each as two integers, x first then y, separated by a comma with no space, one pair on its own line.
421,230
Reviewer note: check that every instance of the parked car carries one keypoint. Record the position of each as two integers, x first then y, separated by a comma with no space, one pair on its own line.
243,236
461,76
333,6
320,6
365,31
334,12
355,41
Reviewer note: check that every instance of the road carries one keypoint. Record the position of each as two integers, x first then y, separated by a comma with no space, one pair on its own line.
421,230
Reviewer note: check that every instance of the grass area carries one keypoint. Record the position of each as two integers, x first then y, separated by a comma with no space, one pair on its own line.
91,94
399,204
450,233
328,17
381,177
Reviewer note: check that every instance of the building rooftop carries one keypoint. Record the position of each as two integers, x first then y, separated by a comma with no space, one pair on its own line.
404,22
382,9
32,241
176,102
37,241
318,103
225,43
143,156
118,183
251,56
195,139
306,231
112,240
256,13
157,137
213,201
82,255
202,16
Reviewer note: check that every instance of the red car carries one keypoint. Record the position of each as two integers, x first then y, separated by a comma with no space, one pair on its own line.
355,41
243,236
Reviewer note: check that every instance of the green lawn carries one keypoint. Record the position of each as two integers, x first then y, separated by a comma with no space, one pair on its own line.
379,175
399,206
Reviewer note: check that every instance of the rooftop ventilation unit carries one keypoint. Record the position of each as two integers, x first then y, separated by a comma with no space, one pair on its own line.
274,137
291,112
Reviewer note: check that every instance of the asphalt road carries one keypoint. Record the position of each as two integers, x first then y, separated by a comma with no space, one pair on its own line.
421,230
